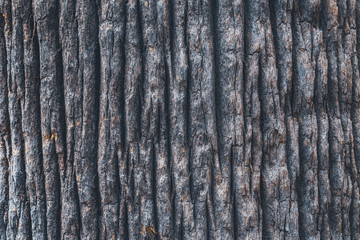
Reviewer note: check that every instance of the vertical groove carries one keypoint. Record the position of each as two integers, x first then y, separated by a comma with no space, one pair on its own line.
168,147
97,211
62,121
187,74
19,225
140,31
88,115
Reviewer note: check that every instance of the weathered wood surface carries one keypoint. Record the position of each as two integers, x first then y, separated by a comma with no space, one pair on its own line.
179,119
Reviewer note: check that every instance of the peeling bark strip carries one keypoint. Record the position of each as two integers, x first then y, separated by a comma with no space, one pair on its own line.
211,119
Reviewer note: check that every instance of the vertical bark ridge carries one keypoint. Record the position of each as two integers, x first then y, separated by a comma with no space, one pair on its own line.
53,149
339,182
70,211
229,61
203,133
183,206
275,201
281,22
347,52
320,104
132,94
221,13
5,144
153,151
305,36
111,37
162,148
123,212
252,136
274,138
31,123
19,219
85,161
168,28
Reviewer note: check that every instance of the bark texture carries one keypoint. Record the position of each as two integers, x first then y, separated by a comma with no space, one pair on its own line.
179,119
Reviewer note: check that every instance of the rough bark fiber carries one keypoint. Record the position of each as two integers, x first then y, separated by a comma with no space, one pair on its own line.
179,119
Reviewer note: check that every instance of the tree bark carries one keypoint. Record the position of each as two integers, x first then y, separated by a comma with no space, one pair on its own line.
186,119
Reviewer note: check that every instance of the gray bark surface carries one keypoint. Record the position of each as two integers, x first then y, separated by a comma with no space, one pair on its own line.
179,119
